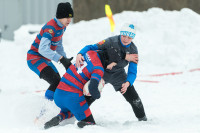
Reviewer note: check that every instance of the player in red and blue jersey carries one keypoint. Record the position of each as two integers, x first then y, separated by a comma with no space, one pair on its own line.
48,46
69,93
117,76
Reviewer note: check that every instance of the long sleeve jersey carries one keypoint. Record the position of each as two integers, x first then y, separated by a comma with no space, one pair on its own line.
116,43
48,43
75,78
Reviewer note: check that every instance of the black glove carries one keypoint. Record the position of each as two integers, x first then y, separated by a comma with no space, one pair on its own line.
66,62
93,89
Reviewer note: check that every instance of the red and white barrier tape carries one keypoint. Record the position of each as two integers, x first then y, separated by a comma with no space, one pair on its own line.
147,81
165,74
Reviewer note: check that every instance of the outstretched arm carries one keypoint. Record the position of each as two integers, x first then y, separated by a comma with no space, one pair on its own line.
60,49
45,50
79,57
132,73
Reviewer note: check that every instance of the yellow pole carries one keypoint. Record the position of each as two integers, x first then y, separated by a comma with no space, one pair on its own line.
110,17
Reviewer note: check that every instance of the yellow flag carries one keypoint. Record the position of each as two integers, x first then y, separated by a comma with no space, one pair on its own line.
110,17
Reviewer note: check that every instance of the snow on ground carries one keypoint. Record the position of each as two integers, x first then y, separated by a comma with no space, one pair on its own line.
168,41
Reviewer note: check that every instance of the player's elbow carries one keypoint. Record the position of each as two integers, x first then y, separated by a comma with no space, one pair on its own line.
41,50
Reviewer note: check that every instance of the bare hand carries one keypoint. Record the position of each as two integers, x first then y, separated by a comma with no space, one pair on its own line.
124,87
79,60
132,57
111,65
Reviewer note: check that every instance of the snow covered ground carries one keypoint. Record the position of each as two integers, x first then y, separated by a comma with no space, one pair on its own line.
168,41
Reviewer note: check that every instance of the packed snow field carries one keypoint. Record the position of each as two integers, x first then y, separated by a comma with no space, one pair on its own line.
167,41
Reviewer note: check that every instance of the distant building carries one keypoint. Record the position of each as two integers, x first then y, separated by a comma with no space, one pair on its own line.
14,13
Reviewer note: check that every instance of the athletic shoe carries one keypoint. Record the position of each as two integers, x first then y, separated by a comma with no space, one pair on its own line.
81,124
53,122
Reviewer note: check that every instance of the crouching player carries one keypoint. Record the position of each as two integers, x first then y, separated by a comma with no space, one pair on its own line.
69,92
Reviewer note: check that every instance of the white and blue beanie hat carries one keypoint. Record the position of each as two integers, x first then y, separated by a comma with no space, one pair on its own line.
128,30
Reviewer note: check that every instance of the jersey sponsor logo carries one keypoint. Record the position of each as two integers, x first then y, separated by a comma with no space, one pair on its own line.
50,31
80,69
102,42
55,43
88,57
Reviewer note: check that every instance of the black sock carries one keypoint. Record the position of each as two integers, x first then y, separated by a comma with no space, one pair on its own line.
51,77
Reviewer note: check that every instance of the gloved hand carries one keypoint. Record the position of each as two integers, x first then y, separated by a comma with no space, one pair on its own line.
66,62
93,89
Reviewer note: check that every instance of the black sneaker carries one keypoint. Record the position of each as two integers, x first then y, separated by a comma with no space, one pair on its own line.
81,124
142,119
53,122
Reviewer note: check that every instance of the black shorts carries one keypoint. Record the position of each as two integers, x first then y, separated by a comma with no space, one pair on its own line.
115,78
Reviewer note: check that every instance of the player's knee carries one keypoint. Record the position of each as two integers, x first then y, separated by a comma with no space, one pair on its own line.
50,76
56,80
131,95
137,103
